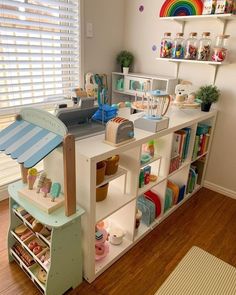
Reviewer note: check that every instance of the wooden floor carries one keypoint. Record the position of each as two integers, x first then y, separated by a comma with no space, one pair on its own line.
207,220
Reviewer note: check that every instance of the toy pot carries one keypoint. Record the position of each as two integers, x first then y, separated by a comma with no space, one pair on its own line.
205,107
112,165
101,168
101,192
116,236
125,70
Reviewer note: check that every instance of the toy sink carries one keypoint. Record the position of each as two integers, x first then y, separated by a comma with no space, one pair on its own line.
79,121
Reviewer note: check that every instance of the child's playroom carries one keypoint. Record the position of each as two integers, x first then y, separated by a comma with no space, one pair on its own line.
117,147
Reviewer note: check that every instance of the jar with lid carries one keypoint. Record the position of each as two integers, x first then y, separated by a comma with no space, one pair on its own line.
204,49
191,46
178,46
220,49
166,46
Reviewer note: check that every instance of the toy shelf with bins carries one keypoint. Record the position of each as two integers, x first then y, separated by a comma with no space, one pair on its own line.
119,207
62,229
133,81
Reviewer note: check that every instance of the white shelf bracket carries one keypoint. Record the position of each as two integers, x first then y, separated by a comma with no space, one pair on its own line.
216,68
224,22
182,23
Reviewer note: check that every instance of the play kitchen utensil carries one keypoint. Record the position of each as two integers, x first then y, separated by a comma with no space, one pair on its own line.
116,236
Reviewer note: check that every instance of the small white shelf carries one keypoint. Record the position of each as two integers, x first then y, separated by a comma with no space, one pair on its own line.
115,200
151,184
199,157
153,159
207,62
108,178
115,252
183,165
222,17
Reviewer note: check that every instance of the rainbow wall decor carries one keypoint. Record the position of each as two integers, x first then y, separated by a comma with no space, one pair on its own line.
181,8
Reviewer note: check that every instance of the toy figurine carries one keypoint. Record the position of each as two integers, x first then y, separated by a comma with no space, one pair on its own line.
42,177
46,187
55,191
32,175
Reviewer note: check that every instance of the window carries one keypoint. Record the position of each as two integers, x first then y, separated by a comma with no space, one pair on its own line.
39,59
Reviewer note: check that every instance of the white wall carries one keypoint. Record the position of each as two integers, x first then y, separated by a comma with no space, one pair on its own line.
107,17
142,31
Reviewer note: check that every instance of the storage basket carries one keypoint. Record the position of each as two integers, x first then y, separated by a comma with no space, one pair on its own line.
101,168
101,192
112,165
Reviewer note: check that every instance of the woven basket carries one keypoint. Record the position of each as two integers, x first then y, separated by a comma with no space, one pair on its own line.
101,192
101,168
112,165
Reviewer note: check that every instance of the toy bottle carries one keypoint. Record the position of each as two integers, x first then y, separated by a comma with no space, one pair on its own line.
178,46
191,47
204,49
166,46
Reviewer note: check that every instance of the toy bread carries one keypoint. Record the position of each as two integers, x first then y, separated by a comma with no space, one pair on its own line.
119,130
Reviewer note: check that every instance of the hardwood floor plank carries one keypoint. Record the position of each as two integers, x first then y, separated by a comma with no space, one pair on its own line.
207,220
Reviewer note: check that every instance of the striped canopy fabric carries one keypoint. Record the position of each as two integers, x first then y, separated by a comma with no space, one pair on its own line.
27,142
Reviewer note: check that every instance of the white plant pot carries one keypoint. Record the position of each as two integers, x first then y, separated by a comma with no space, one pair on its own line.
125,71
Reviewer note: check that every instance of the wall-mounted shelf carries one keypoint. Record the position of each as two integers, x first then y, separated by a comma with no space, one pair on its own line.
222,18
207,62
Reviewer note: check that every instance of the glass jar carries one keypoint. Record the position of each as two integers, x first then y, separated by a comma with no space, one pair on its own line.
191,47
220,50
204,49
178,46
166,46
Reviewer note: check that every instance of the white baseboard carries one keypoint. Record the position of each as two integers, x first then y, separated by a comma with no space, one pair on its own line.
220,189
3,193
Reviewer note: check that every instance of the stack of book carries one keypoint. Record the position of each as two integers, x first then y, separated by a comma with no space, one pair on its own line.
180,146
201,140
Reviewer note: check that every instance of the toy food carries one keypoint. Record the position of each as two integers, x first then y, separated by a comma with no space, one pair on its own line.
55,191
24,256
152,177
191,47
99,249
219,54
116,236
42,177
20,230
37,249
26,235
37,226
46,186
32,175
42,275
32,245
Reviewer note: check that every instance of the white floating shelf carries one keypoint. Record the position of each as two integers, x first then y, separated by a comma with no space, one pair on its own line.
151,184
115,252
213,63
222,17
108,178
153,159
115,200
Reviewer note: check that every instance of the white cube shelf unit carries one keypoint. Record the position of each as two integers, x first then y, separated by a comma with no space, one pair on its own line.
133,84
119,207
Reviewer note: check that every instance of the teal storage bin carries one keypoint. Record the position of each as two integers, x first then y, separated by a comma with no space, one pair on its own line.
148,210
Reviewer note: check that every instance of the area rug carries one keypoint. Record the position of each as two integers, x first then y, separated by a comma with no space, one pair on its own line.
200,273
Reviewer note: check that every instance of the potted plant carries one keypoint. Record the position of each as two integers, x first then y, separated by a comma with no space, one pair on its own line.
125,60
207,95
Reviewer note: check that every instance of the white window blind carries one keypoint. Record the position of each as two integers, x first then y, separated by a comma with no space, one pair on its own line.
39,60
39,51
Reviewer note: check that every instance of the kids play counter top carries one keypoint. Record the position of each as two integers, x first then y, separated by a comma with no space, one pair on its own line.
94,148
55,219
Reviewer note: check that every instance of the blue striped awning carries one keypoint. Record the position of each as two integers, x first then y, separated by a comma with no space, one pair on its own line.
27,142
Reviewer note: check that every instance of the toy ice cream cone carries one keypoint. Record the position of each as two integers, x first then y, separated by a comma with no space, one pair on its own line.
32,175
42,177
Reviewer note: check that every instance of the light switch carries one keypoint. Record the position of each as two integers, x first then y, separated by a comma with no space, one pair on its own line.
89,30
